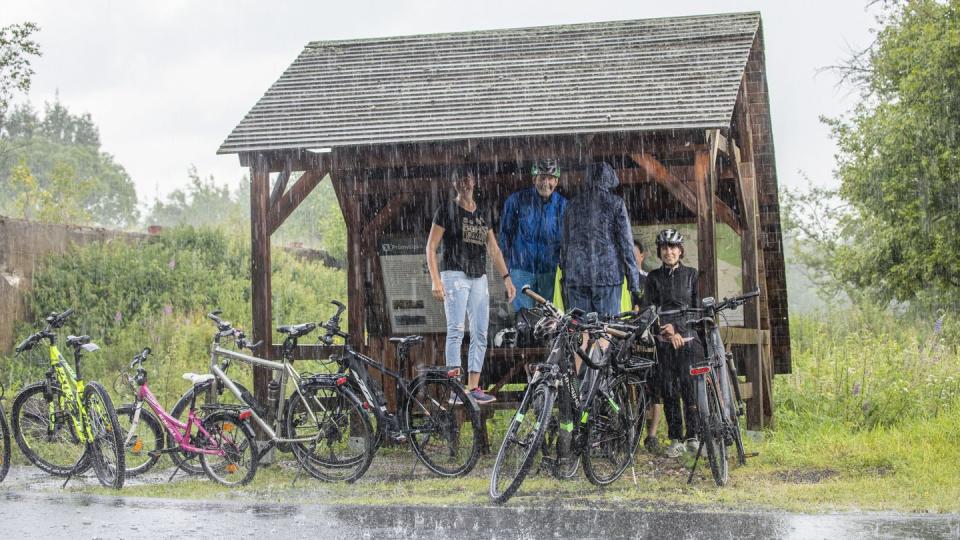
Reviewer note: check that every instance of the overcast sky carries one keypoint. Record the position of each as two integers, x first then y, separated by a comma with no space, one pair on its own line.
166,81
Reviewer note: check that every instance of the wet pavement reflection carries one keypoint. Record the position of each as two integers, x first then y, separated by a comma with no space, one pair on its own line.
30,515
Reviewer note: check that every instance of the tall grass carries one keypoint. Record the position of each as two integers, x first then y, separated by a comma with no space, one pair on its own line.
866,367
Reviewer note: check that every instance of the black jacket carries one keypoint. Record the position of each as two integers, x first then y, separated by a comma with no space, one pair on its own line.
673,289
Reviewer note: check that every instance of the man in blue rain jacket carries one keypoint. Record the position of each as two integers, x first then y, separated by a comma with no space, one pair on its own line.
530,233
597,246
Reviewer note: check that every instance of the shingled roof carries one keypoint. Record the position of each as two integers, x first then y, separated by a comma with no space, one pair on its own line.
640,75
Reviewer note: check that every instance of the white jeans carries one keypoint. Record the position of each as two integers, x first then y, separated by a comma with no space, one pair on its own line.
466,296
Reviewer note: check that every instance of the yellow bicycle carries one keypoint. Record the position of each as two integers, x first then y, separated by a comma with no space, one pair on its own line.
63,424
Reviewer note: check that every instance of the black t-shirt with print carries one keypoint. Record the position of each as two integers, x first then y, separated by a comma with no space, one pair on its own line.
464,244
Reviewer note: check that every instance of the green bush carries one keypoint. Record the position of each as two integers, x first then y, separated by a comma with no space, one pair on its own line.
865,367
156,293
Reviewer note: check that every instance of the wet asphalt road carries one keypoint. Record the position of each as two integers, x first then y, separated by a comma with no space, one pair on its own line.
51,515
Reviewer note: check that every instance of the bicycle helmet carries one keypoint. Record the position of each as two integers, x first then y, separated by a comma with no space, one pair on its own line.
669,237
546,167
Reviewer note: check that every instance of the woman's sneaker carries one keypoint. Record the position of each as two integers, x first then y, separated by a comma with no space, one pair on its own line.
481,397
675,449
651,444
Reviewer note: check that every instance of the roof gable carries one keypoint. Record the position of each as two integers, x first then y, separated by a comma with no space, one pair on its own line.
639,75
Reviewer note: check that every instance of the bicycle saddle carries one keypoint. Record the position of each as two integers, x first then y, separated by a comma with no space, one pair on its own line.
297,330
75,341
406,340
198,379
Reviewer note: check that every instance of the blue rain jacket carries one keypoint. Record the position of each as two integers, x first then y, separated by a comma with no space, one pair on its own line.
530,230
597,243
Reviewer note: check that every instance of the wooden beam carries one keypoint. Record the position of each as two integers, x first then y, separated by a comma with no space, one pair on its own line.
260,270
579,148
706,223
293,197
278,188
356,291
656,171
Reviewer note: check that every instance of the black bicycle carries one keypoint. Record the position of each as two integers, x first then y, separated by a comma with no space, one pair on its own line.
435,415
591,423
4,439
714,377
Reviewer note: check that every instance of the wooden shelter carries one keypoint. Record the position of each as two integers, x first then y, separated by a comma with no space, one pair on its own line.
678,106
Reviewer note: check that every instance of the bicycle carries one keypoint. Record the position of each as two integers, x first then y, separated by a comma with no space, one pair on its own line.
223,440
322,422
4,439
719,403
63,424
591,421
426,417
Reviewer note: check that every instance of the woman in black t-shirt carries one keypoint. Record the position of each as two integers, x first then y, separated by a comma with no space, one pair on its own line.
465,233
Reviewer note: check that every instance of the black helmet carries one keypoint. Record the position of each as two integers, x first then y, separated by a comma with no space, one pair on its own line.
546,167
669,237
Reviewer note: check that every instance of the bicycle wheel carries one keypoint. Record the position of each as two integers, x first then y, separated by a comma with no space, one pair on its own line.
44,431
444,444
237,465
712,428
631,390
106,446
185,460
340,439
733,410
609,435
4,445
521,442
148,438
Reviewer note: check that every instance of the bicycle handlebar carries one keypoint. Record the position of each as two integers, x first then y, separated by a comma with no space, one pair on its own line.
54,321
140,357
534,296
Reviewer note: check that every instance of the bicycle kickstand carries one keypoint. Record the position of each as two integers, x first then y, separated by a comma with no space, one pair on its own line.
695,461
69,477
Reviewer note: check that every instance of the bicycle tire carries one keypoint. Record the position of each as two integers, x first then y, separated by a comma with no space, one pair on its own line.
343,442
188,462
539,400
712,427
432,419
238,465
634,395
57,450
4,445
106,449
734,412
140,453
609,436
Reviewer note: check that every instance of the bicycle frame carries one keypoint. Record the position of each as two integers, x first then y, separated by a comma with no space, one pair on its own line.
180,431
73,387
286,373
375,398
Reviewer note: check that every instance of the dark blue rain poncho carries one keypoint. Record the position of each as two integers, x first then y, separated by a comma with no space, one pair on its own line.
597,246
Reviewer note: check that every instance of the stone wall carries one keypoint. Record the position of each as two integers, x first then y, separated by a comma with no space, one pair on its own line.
22,244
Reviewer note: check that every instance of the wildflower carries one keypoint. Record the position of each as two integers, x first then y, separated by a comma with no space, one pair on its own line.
856,389
117,317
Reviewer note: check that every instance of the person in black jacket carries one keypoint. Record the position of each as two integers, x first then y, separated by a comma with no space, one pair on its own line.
671,287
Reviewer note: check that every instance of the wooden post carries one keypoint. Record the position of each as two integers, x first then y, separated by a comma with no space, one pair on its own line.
260,271
704,183
749,250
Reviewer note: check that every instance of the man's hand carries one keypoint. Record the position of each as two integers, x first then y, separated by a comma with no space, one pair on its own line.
437,290
677,341
667,330
511,290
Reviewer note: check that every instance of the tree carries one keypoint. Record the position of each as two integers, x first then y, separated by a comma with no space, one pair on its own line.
201,203
16,47
55,146
896,236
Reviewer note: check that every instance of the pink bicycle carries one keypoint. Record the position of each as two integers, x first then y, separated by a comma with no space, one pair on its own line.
223,439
